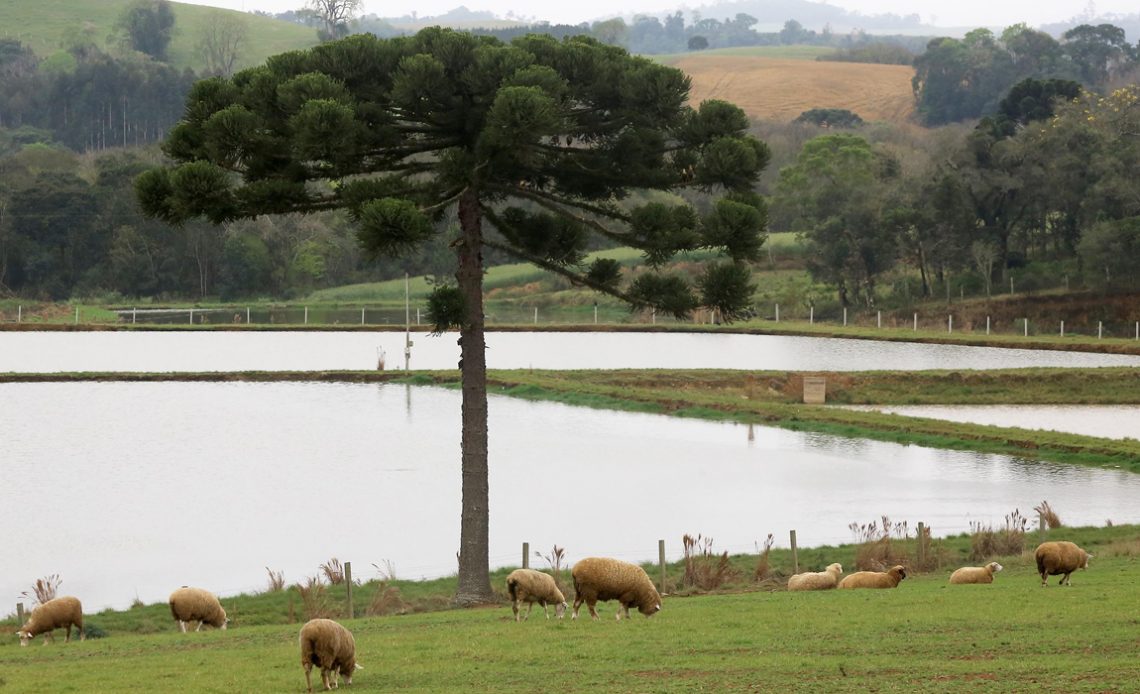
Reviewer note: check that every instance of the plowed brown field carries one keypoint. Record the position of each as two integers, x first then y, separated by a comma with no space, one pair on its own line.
781,89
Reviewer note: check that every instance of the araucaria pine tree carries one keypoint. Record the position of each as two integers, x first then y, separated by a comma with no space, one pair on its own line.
537,143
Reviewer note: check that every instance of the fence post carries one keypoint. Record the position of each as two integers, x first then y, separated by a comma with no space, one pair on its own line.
76,315
595,314
191,316
536,315
20,613
1062,328
811,317
1027,327
134,315
916,322
247,315
306,315
661,561
845,316
878,319
777,313
795,553
921,545
348,586
1041,526
1099,329
526,555
362,316
987,325
653,316
950,323
20,314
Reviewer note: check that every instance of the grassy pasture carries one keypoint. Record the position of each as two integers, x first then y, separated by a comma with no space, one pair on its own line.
923,636
43,24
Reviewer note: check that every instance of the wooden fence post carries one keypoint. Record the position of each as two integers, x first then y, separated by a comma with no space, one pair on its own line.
795,554
348,586
921,545
1041,526
20,613
526,555
661,562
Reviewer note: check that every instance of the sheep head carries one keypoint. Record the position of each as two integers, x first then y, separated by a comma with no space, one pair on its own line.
560,609
994,567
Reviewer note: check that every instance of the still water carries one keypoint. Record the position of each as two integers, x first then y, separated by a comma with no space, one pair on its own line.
132,489
309,351
1105,421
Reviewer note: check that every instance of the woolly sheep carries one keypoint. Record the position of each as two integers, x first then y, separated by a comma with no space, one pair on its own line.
874,579
195,604
330,647
1055,558
817,580
530,586
600,578
976,574
56,613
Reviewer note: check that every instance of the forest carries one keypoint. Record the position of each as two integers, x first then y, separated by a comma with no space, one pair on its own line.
1024,162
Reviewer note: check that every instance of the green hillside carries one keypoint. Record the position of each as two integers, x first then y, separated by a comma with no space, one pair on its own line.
42,25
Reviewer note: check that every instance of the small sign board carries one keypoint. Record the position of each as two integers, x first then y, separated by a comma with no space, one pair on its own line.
815,390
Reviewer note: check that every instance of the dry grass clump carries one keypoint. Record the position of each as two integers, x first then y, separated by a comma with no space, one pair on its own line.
314,598
386,601
1052,520
763,567
276,580
986,541
556,560
704,569
879,546
43,589
333,571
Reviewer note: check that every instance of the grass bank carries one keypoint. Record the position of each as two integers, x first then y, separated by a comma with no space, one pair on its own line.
925,635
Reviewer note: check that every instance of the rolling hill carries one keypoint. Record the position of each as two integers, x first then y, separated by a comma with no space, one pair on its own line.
782,88
43,24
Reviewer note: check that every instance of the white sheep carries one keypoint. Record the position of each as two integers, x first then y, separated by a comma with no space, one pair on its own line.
874,579
197,605
817,580
1057,558
976,574
600,578
56,613
530,586
330,647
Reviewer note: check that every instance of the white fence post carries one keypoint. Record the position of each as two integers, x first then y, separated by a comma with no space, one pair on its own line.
1099,329
777,313
1062,328
916,322
811,318
878,319
362,316
1027,327
987,325
950,323
845,316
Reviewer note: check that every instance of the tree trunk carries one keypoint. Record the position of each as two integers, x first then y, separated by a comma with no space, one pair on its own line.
474,545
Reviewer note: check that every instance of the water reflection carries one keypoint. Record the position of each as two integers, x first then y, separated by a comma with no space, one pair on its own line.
156,485
312,351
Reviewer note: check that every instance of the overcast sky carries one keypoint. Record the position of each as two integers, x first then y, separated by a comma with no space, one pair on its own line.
944,13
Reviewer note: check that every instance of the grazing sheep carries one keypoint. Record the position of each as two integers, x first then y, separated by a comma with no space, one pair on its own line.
874,579
599,578
976,574
817,580
1055,558
330,647
530,586
195,604
56,613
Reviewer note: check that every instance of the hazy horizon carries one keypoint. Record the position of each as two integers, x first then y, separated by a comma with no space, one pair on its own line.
964,13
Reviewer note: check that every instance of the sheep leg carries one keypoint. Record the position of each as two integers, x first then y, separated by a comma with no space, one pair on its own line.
592,604
577,603
515,609
1066,580
67,639
529,606
309,676
544,610
199,626
325,678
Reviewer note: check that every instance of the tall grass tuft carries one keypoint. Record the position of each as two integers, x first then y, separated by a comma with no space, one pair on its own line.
704,569
986,541
276,580
556,560
763,568
314,598
43,589
387,572
1052,520
386,601
879,547
333,571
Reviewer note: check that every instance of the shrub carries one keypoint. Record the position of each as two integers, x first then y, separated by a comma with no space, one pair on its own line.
875,550
986,542
1052,520
276,580
314,598
705,569
43,589
333,571
763,568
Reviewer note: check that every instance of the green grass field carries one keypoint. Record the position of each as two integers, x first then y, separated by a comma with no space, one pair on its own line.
43,24
925,635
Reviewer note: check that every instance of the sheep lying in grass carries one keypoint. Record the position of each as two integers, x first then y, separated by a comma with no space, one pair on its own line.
600,578
874,579
197,605
330,647
530,586
817,580
57,613
976,574
1056,558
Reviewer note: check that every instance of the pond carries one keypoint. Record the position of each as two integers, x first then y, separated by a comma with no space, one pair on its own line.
132,489
329,350
1105,421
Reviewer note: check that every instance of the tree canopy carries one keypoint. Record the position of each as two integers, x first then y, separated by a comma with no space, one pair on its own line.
542,139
